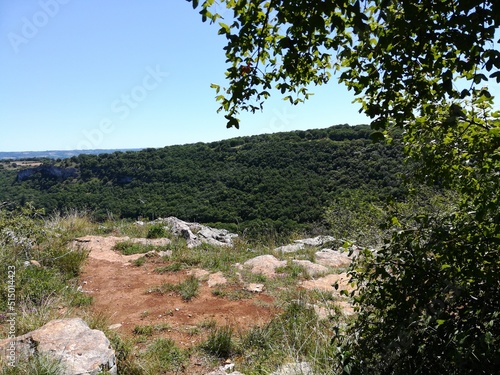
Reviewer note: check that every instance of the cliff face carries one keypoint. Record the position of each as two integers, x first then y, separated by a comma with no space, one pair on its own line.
47,171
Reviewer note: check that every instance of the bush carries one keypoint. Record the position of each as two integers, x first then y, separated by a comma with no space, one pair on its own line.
157,231
163,355
220,343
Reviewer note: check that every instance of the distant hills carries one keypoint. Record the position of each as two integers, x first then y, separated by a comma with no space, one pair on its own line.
55,154
280,181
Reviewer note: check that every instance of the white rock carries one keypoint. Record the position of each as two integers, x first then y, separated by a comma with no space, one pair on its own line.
79,349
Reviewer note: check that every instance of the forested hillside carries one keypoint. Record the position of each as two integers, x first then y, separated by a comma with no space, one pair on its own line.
281,180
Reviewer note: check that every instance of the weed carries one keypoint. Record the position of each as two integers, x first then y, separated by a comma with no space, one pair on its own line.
232,294
139,261
143,330
39,365
161,327
129,248
207,324
174,267
220,342
157,231
163,355
144,314
188,289
81,299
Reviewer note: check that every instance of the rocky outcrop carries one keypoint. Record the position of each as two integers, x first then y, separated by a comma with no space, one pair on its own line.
195,234
78,349
47,171
298,245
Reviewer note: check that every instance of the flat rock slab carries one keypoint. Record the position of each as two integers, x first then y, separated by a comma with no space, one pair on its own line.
79,349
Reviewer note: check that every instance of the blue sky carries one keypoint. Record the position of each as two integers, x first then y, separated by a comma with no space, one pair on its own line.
78,74
86,74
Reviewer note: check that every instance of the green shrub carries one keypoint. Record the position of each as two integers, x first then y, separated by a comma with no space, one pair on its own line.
188,289
129,248
139,261
163,355
220,343
143,330
81,299
37,284
157,231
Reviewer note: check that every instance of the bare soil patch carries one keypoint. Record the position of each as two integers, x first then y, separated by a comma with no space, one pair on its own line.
121,291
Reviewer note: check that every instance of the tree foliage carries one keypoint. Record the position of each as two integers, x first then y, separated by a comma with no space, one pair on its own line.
267,183
428,299
400,55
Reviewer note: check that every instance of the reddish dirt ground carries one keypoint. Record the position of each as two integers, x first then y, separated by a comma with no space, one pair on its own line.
120,292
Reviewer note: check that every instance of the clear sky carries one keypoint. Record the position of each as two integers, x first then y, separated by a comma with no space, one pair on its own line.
87,74
78,74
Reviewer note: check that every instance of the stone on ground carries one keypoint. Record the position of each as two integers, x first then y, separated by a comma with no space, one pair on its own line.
79,349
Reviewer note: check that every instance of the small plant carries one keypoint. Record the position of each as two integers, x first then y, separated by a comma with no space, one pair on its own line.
81,299
157,231
139,261
220,343
188,289
143,330
174,267
207,324
129,248
144,314
161,327
163,355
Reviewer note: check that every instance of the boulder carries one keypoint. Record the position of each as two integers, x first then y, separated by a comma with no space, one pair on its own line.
195,234
312,269
332,258
316,241
291,248
264,264
79,349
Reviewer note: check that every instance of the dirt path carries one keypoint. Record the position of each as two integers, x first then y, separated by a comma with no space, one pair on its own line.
120,291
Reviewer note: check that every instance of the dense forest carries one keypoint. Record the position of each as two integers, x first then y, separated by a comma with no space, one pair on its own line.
281,180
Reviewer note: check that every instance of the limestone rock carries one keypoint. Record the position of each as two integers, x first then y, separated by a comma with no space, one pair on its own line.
264,264
316,241
332,258
299,368
291,248
195,234
312,269
79,349
301,244
255,288
216,279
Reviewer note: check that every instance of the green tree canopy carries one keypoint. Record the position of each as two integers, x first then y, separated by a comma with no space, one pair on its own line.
399,56
429,299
